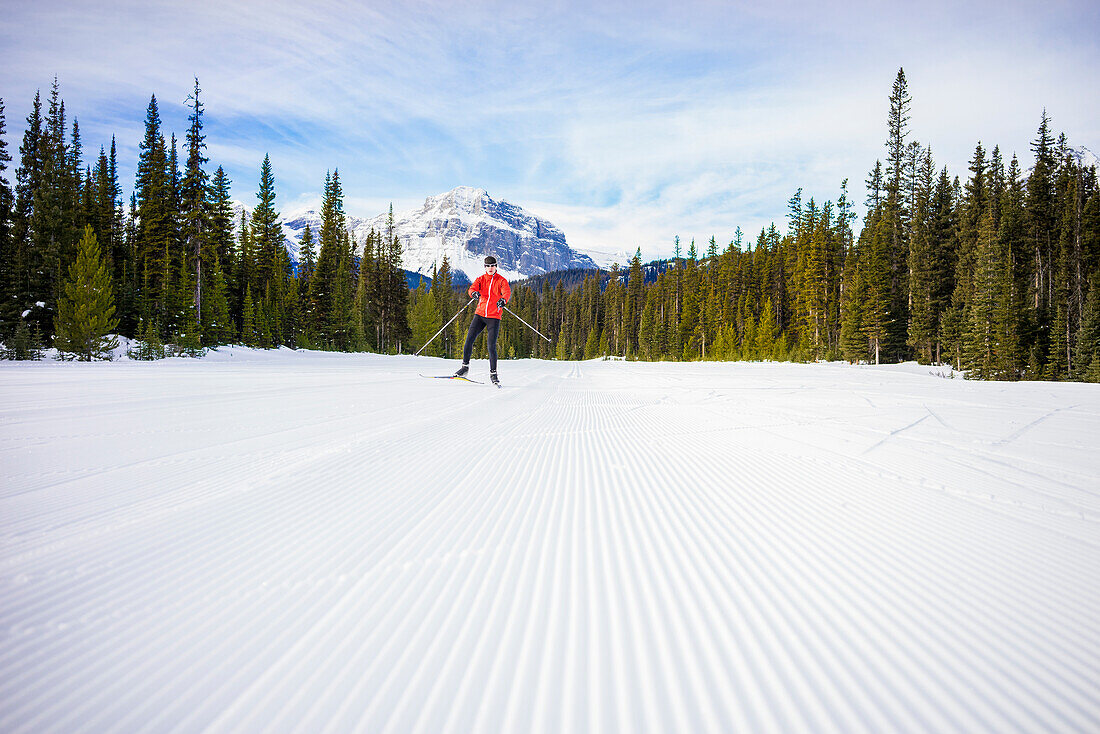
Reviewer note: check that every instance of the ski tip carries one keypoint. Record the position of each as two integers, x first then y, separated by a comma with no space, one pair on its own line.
450,377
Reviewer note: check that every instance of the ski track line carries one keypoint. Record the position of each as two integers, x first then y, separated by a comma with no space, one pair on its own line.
899,479
595,567
794,681
337,430
463,651
984,498
178,456
330,625
1021,431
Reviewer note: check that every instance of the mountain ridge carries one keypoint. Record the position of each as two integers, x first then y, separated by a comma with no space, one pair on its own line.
463,224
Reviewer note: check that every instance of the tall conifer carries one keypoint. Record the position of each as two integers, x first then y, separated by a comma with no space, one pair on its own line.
86,309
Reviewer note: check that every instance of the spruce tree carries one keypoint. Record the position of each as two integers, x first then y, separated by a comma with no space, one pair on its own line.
635,298
1042,220
194,198
324,282
9,314
425,320
592,343
86,309
982,340
397,291
26,259
307,258
1087,350
249,336
267,234
766,331
875,271
53,226
220,234
153,189
149,346
217,327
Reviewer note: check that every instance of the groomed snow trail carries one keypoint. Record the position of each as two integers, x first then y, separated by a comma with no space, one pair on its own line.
328,543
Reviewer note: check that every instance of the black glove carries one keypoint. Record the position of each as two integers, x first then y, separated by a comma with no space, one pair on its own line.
475,295
500,303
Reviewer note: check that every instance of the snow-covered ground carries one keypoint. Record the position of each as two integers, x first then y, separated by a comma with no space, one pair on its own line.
284,541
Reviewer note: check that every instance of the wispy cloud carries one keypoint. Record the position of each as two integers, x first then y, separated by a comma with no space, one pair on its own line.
626,123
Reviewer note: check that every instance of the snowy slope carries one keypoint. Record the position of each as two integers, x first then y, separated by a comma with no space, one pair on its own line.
283,541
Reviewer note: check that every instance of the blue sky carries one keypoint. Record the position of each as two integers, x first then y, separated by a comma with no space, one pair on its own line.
625,124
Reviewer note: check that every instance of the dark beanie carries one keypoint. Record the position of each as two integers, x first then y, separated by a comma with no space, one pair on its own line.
490,260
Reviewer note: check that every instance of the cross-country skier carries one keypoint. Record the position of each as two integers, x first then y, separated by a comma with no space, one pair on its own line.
492,291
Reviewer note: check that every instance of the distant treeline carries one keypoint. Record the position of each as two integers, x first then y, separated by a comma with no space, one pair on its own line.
998,274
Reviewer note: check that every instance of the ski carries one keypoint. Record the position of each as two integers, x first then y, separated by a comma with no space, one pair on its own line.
452,377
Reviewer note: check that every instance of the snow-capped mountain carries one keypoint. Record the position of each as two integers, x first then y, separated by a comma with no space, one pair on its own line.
1084,157
464,224
294,225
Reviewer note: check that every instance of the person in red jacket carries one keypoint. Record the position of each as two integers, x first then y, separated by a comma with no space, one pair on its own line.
492,291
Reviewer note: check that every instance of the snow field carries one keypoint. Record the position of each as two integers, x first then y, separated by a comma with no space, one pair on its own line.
316,542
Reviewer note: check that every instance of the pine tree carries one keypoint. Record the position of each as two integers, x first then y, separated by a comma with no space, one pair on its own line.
647,332
85,310
220,235
26,260
1042,220
766,331
217,327
875,272
149,346
342,314
249,335
424,320
307,259
635,299
896,216
324,282
194,195
983,345
397,291
53,225
592,343
363,321
10,319
1087,351
153,189
446,302
923,321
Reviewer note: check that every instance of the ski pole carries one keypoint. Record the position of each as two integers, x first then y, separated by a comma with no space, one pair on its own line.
527,324
418,351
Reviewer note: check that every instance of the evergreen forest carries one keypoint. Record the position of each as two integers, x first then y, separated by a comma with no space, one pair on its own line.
996,272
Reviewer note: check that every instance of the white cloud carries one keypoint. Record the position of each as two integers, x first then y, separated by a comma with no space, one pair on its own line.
625,123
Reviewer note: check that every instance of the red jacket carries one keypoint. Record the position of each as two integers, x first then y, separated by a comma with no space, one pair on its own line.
492,288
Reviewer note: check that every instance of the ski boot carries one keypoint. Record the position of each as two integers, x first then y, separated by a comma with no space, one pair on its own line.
462,370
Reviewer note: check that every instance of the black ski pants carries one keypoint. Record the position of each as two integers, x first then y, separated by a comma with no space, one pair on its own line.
490,327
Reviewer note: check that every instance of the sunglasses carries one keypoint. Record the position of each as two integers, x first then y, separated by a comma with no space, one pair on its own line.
489,266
